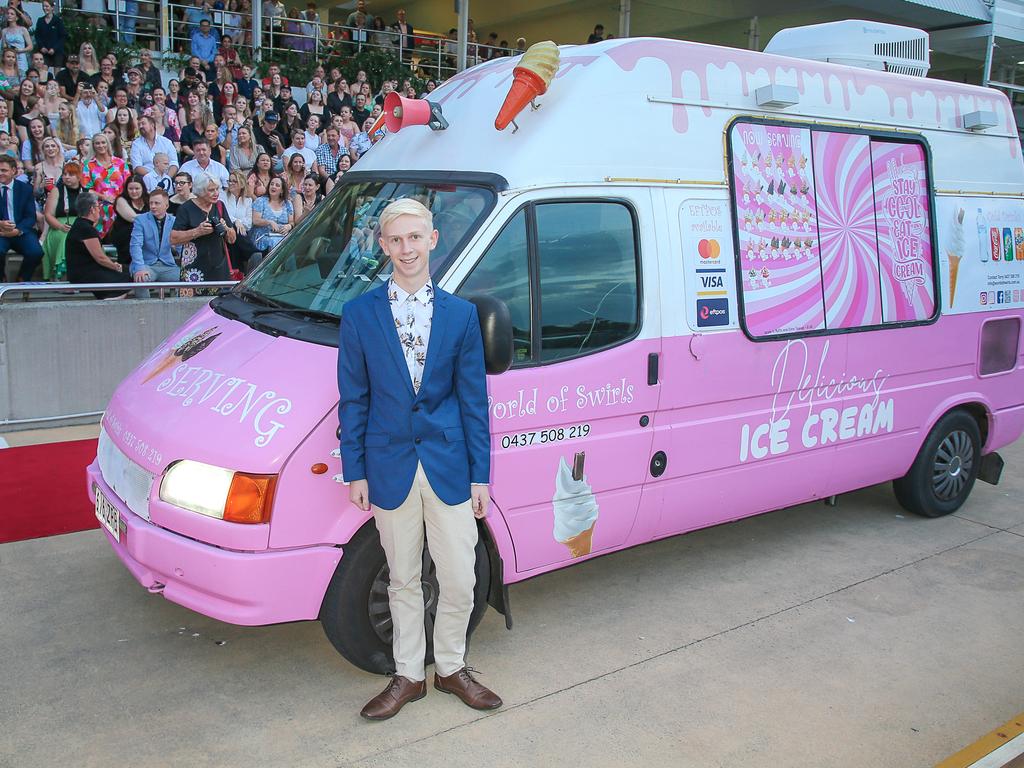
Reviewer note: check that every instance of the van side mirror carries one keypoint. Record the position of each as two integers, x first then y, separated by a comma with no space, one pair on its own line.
496,328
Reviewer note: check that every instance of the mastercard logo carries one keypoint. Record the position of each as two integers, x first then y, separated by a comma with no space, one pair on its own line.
709,249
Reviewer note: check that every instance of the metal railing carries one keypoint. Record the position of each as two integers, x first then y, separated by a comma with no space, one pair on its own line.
169,26
27,290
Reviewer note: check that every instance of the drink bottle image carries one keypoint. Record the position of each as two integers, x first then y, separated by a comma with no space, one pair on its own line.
1018,243
984,246
1007,244
995,244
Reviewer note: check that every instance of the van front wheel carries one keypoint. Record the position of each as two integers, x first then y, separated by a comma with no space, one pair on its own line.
355,613
943,474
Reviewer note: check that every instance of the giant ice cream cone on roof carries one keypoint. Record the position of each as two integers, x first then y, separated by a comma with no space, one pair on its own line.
532,76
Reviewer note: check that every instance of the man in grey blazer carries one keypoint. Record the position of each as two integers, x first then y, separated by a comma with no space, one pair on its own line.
150,245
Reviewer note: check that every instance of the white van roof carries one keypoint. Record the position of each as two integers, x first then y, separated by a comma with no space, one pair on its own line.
650,108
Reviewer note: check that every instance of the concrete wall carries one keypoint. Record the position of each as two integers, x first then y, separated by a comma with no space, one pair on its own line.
66,357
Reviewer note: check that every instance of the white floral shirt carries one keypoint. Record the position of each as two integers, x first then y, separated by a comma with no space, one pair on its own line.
413,313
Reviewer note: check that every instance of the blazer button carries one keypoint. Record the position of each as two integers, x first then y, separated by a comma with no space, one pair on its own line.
415,408
418,441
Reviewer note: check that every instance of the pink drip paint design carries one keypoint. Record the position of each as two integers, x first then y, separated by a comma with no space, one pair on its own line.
466,81
698,60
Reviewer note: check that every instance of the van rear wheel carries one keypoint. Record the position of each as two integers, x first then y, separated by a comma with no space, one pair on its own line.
355,614
943,474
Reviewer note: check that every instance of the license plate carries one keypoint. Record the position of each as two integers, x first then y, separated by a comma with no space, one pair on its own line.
107,514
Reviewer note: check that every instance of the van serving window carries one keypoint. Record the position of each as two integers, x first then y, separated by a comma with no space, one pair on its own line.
568,272
833,229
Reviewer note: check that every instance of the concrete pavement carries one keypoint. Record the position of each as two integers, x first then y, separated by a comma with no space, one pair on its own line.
814,636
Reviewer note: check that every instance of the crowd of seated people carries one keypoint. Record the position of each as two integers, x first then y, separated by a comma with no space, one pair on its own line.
73,122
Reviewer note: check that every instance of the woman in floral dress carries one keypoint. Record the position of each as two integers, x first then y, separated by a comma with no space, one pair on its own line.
204,230
273,216
105,175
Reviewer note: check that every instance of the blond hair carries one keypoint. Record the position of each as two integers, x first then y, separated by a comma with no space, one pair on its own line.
67,127
405,206
239,176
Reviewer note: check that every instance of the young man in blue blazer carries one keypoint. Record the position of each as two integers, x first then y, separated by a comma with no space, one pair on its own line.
17,221
150,244
415,449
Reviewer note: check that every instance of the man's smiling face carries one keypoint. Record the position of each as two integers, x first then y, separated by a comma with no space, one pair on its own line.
408,241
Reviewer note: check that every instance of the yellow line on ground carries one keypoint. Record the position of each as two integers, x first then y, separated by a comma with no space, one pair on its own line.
986,744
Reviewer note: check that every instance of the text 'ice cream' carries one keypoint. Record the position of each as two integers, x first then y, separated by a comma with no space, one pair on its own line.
575,511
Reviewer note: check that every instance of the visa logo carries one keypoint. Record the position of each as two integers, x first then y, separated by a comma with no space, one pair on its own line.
711,281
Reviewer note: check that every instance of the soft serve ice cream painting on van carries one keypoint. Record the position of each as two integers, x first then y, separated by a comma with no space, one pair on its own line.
575,507
833,302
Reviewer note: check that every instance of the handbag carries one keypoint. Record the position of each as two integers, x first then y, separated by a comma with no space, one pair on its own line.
234,274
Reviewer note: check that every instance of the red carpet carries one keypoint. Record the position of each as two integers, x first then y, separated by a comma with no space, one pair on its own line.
42,490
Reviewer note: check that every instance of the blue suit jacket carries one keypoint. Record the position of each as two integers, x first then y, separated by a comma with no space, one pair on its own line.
386,427
24,207
143,245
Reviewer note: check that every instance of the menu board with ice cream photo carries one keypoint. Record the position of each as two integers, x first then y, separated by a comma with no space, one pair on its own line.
773,188
981,253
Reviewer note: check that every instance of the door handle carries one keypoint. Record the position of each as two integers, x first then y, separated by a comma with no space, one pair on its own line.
652,369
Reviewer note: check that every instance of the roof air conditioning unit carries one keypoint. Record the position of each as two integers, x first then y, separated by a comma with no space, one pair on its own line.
866,44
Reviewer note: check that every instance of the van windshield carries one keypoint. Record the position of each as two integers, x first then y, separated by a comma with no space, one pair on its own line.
334,255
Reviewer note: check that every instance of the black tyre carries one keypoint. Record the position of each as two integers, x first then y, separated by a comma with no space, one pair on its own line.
943,474
355,613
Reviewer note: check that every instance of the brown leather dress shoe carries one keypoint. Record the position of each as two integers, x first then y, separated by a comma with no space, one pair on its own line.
388,703
468,689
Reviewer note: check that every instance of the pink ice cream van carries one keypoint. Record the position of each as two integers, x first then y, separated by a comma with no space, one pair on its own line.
778,285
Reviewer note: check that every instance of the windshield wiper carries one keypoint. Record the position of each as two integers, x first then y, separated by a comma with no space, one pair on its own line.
272,306
315,315
256,298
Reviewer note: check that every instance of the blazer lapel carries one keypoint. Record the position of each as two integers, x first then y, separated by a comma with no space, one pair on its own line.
438,323
387,322
16,198
165,243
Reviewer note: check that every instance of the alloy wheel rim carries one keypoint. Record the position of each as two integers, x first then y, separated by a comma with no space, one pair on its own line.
954,462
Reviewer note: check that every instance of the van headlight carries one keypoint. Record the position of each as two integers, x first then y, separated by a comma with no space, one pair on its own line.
238,497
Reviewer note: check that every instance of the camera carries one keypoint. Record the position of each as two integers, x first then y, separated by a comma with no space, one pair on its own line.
218,225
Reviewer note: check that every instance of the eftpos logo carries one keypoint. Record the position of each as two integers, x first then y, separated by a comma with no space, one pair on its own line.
711,312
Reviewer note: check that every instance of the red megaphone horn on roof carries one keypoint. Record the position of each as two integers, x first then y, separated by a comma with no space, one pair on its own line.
400,112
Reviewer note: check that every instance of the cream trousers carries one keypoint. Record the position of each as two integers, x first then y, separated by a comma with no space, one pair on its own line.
451,537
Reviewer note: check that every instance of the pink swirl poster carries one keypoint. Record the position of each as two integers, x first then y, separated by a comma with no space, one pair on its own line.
774,194
904,231
846,228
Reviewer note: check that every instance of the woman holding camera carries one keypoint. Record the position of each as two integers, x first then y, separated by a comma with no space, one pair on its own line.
203,228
